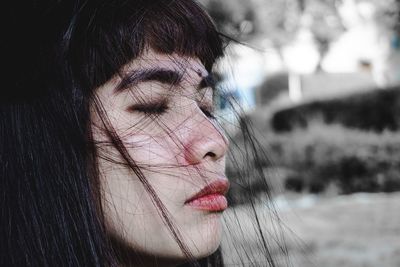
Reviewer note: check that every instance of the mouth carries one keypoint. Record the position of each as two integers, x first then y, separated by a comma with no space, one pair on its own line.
211,197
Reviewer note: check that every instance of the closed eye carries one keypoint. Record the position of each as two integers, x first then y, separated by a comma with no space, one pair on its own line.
157,108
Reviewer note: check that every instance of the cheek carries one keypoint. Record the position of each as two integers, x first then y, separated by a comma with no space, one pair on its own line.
129,210
161,159
153,151
157,158
162,140
130,214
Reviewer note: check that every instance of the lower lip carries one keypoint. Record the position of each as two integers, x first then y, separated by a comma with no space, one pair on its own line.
213,202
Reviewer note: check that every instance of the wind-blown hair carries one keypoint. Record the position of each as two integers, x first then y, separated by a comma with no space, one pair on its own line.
54,54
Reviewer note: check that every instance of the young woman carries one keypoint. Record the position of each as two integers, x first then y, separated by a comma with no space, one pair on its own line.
110,153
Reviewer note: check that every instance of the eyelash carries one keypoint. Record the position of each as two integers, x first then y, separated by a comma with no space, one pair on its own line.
150,109
160,108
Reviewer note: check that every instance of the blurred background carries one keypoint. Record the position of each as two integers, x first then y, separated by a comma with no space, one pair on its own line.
320,82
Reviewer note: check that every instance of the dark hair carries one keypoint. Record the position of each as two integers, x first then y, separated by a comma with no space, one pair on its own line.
55,53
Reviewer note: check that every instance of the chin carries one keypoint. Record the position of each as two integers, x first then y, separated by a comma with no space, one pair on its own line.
204,238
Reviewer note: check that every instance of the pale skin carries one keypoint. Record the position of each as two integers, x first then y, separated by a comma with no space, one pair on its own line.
165,122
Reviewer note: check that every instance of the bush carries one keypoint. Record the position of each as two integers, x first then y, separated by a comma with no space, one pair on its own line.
376,110
392,181
321,154
294,183
317,186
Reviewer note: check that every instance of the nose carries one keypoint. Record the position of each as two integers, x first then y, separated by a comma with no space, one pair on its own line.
206,142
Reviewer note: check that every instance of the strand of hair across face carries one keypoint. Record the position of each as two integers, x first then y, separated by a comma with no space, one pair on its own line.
163,212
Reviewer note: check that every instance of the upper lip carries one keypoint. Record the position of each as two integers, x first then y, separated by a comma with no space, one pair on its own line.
220,186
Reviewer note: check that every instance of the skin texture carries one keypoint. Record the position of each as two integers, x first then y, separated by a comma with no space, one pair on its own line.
178,147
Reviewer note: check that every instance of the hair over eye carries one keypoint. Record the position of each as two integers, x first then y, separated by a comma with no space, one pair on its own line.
156,108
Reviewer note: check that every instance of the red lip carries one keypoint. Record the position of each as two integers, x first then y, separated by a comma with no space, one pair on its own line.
211,197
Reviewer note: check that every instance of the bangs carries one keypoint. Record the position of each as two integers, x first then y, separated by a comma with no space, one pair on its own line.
184,28
120,31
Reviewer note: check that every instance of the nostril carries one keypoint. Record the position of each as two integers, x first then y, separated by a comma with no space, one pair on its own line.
210,154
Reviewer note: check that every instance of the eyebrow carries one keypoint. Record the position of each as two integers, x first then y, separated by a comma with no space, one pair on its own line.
165,76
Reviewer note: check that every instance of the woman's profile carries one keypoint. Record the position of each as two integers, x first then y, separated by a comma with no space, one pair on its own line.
110,151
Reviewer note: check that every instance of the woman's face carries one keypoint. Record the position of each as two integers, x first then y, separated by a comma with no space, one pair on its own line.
161,108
